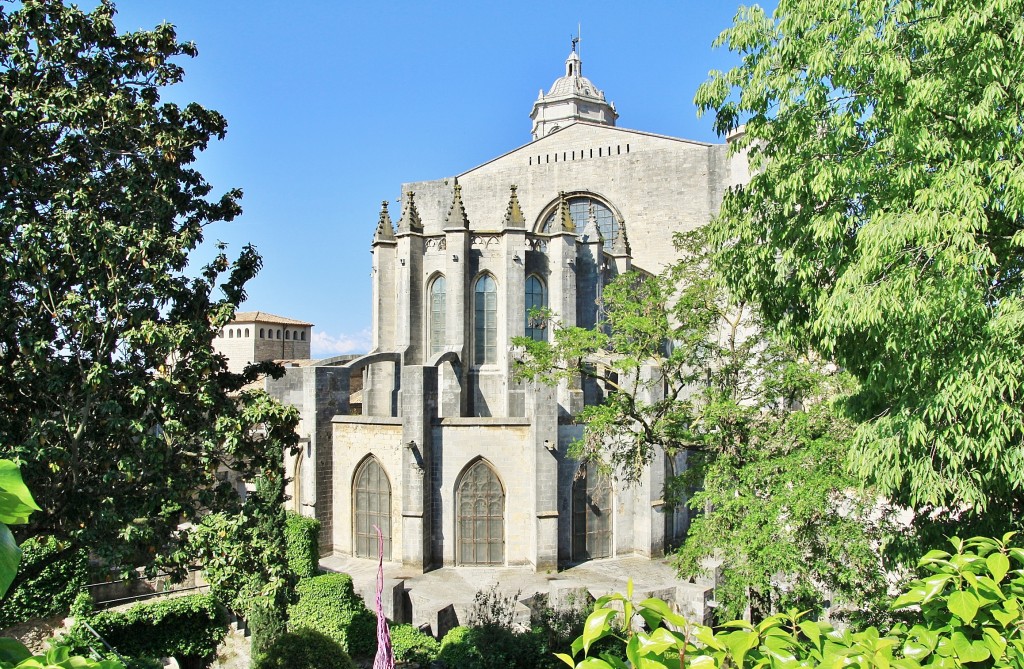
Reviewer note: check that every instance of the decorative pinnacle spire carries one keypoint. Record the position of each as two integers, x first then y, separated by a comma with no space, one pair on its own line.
456,217
564,217
620,247
385,231
591,232
410,221
513,213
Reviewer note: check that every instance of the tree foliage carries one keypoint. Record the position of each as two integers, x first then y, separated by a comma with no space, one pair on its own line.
883,226
123,418
966,612
690,369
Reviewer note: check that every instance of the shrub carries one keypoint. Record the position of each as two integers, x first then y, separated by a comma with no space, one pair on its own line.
187,628
459,651
52,589
411,645
328,604
491,647
304,649
266,625
303,536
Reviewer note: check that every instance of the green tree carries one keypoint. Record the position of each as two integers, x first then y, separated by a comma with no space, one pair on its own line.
883,227
765,448
124,420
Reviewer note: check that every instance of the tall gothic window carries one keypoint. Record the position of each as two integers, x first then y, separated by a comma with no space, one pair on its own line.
579,210
591,515
481,522
371,502
535,299
485,322
437,316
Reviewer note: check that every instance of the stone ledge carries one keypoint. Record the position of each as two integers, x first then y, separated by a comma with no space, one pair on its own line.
484,421
368,420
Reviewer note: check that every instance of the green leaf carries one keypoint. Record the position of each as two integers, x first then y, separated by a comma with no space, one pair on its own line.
13,651
595,627
968,651
964,605
16,503
702,662
663,611
913,596
594,663
10,556
995,641
739,644
566,659
998,565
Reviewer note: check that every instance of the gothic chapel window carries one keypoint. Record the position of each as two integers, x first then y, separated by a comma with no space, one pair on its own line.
371,493
437,316
481,517
535,299
485,322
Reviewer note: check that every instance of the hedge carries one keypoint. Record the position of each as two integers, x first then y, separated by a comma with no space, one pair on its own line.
411,645
328,604
303,536
51,592
187,628
304,649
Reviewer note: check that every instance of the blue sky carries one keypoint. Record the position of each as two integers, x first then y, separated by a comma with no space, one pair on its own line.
331,106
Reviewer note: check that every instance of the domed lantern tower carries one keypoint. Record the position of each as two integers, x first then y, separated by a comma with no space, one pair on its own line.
571,98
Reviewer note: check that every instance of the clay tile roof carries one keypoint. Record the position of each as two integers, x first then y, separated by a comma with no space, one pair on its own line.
264,317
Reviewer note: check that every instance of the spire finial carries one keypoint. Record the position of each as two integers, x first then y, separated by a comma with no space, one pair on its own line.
385,230
564,217
513,213
456,217
620,247
591,231
410,221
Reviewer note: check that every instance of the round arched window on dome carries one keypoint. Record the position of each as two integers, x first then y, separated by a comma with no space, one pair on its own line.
579,210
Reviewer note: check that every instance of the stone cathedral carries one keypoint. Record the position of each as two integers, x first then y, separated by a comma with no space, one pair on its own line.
429,436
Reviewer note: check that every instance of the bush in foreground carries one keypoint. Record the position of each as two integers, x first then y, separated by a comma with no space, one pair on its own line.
187,628
411,645
328,604
304,649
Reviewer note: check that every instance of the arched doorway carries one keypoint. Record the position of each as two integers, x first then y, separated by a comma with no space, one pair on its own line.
480,501
591,515
371,505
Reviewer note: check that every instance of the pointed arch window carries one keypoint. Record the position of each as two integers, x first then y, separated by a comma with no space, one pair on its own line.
371,505
591,515
536,326
481,517
579,210
438,297
485,321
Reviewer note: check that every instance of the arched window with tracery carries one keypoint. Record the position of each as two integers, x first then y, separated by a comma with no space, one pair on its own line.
485,321
536,299
436,326
481,517
579,210
591,515
371,505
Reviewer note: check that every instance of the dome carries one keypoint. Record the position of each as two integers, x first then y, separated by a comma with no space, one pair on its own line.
571,98
574,83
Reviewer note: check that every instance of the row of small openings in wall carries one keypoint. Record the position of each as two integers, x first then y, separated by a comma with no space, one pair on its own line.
602,151
265,333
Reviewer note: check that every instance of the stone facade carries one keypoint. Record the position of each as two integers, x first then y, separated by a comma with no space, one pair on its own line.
459,463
